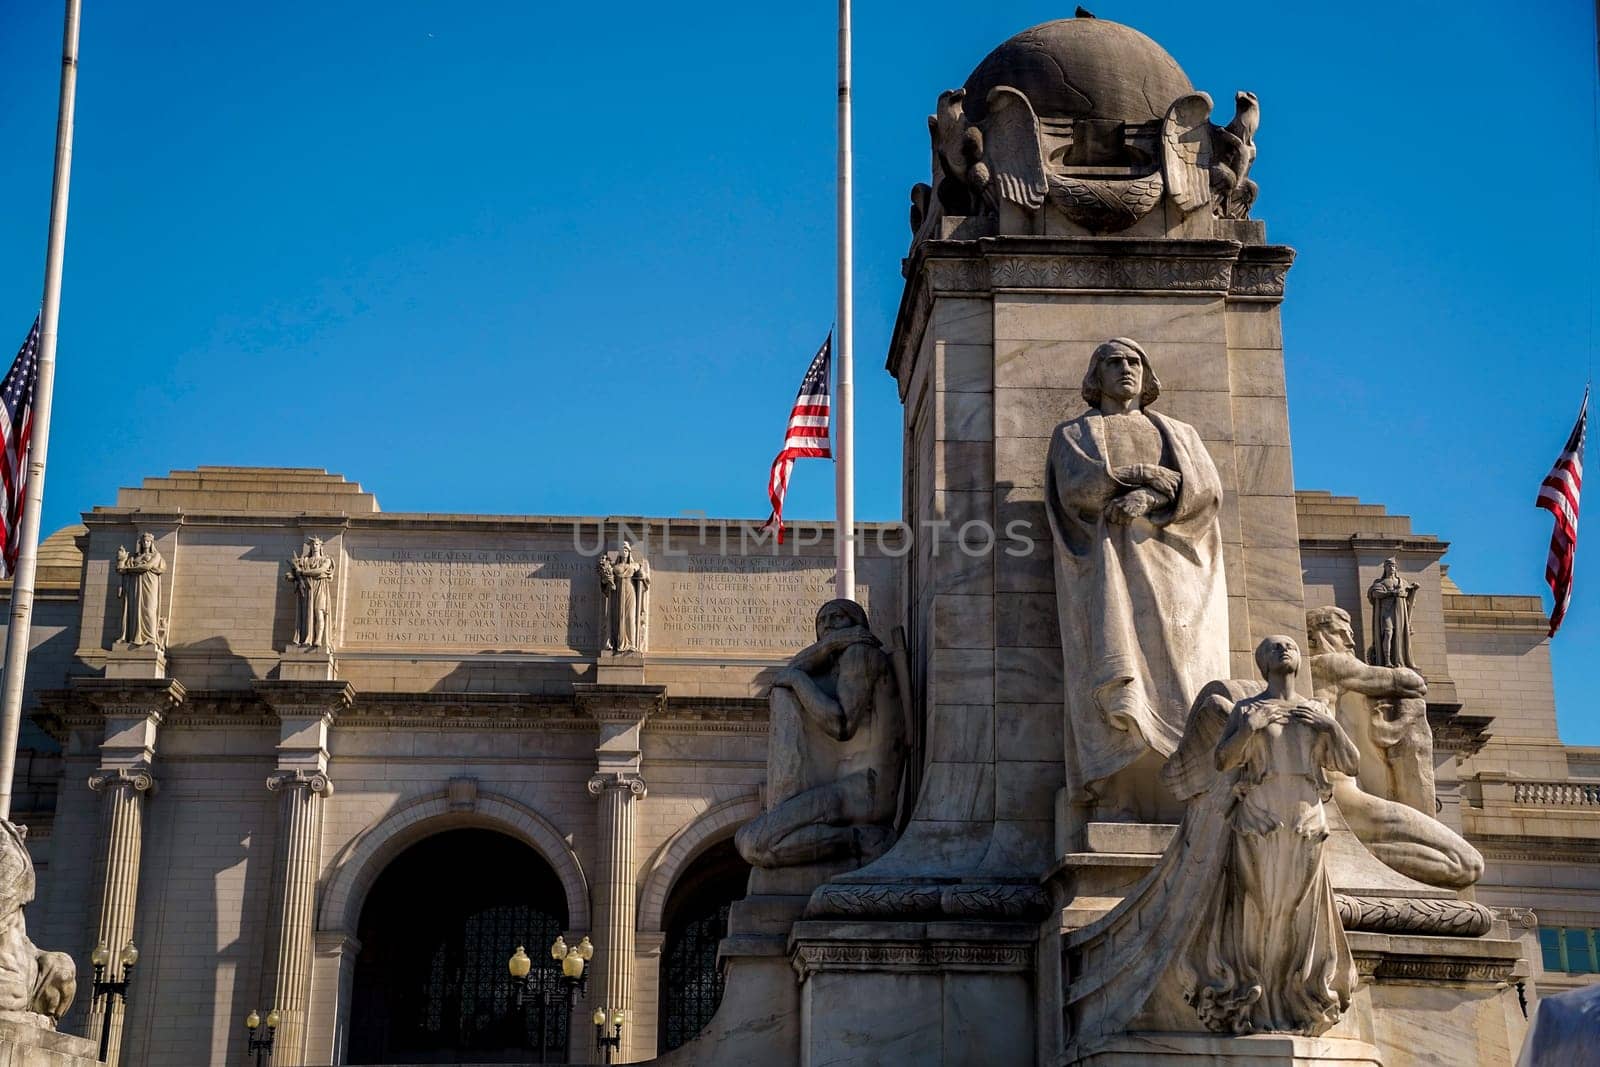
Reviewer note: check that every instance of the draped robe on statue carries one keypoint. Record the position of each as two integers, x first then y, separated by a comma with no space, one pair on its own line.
1142,606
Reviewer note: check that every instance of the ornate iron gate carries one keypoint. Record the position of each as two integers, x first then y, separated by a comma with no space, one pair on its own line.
431,984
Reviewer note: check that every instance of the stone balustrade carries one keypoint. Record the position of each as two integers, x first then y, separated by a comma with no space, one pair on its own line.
1557,794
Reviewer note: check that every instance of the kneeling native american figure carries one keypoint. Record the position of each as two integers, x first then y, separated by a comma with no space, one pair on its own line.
837,750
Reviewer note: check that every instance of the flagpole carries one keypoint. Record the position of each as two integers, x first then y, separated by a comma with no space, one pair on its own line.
17,634
844,355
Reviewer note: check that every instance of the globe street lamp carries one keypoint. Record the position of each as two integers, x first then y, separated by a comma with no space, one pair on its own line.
607,1044
108,988
574,982
260,1046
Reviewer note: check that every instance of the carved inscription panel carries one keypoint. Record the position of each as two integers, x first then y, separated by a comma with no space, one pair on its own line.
478,599
456,597
750,605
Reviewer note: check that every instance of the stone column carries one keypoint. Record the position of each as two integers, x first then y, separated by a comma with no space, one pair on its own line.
122,795
299,858
305,711
133,709
620,709
614,896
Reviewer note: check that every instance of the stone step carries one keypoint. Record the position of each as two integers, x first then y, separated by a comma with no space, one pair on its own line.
272,503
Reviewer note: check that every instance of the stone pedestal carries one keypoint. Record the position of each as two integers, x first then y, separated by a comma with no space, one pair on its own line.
301,664
619,668
22,1045
927,993
758,1020
143,662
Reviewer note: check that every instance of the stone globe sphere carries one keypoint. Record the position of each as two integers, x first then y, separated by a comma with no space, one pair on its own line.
1084,68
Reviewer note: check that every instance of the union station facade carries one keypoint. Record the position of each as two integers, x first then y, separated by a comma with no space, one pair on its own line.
361,839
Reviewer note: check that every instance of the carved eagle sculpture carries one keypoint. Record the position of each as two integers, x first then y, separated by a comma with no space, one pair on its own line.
1205,164
1014,168
957,146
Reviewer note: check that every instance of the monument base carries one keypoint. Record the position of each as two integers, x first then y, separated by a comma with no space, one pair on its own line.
22,1045
933,992
758,1020
1253,1050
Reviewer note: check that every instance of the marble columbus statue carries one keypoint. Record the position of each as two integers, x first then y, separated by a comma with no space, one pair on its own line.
1132,497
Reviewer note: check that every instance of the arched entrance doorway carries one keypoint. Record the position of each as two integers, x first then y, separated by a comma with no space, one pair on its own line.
695,919
436,929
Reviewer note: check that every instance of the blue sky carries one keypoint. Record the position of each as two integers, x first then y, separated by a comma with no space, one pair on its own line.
513,257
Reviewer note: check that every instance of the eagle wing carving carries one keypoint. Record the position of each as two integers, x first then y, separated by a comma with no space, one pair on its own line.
1188,151
1012,150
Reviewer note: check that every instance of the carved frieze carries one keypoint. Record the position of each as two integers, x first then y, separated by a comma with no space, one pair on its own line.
812,956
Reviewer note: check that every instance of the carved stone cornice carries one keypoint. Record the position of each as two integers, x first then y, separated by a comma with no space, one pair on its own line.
154,697
1518,848
309,698
316,782
1464,735
1380,966
628,780
618,703
1082,264
139,779
1428,959
911,900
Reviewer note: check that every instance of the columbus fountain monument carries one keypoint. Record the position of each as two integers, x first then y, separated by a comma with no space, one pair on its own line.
1117,799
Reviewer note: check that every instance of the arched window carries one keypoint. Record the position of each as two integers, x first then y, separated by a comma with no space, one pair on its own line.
436,930
695,919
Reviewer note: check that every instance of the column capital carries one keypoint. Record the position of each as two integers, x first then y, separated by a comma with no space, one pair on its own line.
137,778
315,781
628,780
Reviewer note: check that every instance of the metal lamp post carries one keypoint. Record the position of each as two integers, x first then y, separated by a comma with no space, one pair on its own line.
607,1044
108,988
574,981
262,1046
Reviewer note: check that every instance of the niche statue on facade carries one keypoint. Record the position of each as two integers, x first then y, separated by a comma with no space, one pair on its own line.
836,752
1132,497
1392,598
312,574
624,600
36,987
140,572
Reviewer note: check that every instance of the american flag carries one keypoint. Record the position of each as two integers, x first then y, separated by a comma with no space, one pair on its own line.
806,436
1559,496
16,434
